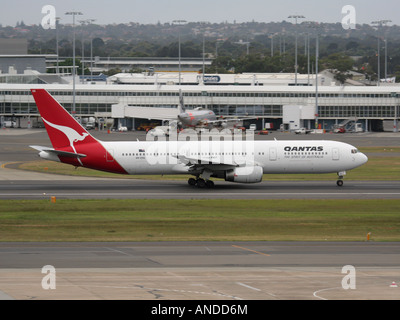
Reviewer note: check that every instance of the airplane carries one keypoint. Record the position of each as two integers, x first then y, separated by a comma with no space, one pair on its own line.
240,161
193,118
200,117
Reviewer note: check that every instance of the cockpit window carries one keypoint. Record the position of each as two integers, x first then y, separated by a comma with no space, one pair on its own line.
354,151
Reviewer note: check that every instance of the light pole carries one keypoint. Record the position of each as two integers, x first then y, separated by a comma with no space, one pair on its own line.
57,20
179,22
73,14
204,54
282,48
316,80
86,22
216,56
272,44
295,63
308,59
385,40
90,21
316,26
203,23
216,53
379,24
83,22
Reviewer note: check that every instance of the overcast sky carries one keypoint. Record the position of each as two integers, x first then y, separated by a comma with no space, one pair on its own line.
153,11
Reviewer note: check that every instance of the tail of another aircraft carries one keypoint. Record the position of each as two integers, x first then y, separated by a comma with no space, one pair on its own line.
71,142
181,107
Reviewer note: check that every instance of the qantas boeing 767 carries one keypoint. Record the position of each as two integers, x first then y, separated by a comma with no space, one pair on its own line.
236,161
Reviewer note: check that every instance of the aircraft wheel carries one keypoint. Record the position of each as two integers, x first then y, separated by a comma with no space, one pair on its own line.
339,183
192,181
201,183
210,184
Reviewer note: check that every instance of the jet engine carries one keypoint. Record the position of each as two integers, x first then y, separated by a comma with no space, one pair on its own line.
249,174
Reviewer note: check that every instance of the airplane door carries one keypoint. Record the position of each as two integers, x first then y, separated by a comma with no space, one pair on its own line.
272,154
110,155
335,154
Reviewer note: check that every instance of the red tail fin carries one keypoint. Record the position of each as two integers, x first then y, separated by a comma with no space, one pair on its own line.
64,131
68,136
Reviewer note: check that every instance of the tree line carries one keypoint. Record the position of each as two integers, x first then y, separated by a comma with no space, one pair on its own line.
245,47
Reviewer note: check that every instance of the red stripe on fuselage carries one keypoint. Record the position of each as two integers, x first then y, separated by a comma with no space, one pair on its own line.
97,158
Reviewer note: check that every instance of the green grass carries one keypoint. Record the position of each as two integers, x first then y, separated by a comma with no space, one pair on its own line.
387,150
199,220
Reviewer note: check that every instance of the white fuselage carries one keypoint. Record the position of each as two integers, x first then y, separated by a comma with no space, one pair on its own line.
174,157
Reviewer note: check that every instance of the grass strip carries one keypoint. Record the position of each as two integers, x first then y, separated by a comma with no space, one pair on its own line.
199,220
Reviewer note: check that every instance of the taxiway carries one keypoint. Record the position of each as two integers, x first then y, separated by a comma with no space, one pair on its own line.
199,270
192,270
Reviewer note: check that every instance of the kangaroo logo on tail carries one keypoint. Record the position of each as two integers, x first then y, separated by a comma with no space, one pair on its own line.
71,134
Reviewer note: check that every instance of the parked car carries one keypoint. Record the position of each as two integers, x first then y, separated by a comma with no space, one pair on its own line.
9,124
302,131
339,130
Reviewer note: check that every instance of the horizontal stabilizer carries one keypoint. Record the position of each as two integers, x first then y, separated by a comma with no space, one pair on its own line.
59,152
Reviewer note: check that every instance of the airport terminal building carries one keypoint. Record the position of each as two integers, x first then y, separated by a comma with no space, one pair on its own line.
263,99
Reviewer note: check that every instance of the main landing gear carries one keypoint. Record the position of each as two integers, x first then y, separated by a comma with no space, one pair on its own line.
340,178
200,183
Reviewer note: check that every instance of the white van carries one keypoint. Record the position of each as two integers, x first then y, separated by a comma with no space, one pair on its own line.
9,124
160,131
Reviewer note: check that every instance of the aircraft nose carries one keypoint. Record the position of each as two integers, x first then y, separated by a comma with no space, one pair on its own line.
363,158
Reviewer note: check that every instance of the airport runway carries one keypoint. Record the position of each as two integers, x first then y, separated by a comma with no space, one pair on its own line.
192,254
82,188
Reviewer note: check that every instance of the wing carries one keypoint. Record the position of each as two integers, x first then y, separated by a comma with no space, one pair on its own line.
204,160
213,163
